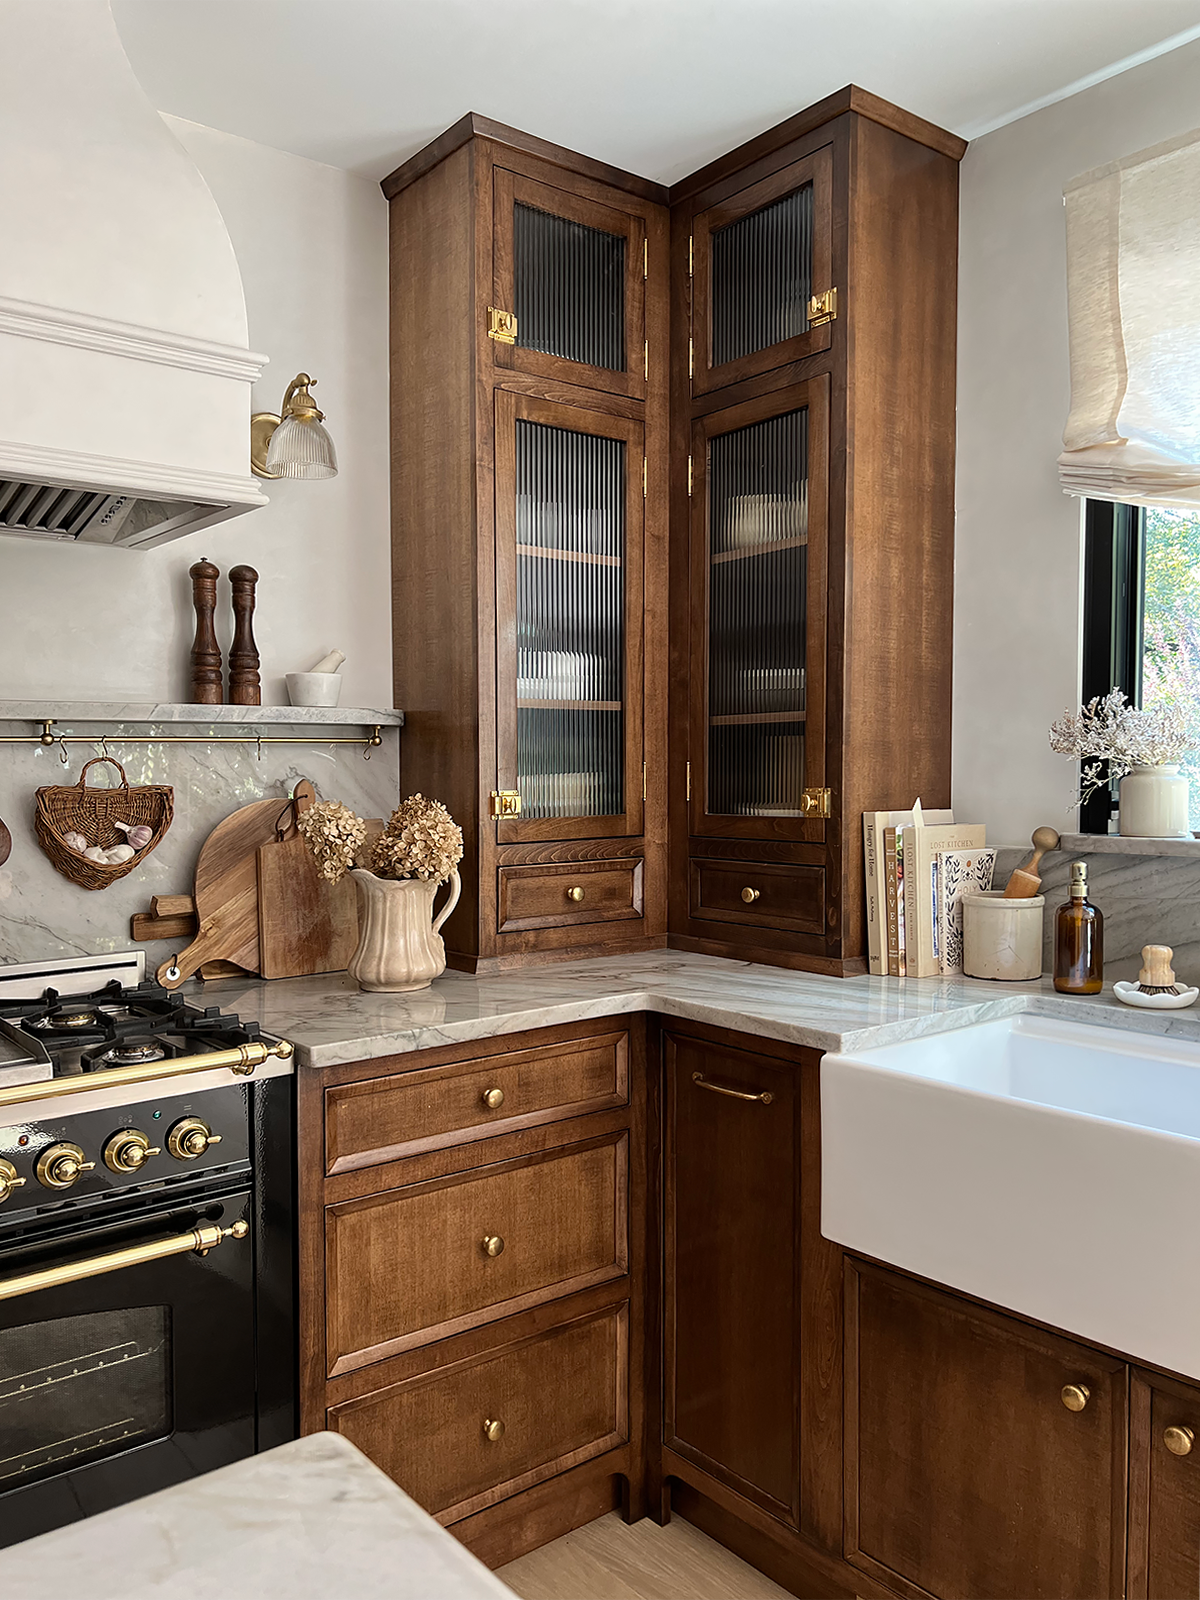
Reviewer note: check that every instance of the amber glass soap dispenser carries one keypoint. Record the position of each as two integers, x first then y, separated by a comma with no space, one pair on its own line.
1078,940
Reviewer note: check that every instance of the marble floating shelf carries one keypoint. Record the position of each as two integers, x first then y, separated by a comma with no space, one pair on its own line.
1117,844
126,713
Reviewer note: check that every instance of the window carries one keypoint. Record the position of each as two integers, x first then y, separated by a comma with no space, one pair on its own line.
1141,628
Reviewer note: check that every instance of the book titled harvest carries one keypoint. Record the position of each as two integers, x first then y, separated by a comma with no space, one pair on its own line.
957,873
875,874
920,846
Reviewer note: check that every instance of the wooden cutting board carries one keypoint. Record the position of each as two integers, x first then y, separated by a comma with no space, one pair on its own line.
226,893
305,924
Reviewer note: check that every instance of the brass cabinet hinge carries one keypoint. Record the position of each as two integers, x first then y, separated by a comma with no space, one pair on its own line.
691,358
645,476
691,256
643,780
502,326
688,794
646,360
822,308
691,477
817,802
645,258
505,803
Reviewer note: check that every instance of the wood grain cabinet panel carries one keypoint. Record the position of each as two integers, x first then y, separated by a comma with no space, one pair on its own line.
966,1474
413,1265
431,1108
731,1363
560,1400
1164,1490
557,896
760,894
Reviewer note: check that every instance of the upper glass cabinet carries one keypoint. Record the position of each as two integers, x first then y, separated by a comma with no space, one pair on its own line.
762,291
759,574
569,293
569,514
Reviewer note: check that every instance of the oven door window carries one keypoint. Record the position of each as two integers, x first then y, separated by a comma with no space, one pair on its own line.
74,1390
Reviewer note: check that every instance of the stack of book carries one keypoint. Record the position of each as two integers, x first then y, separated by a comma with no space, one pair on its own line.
918,867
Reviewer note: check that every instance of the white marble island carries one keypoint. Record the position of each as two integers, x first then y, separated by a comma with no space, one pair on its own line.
311,1520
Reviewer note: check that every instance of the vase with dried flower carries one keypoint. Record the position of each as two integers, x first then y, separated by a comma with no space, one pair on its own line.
1141,748
399,938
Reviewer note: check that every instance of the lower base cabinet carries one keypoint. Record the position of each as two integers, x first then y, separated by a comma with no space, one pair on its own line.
1164,1489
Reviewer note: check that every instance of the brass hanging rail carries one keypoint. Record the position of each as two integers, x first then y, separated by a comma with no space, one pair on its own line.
48,738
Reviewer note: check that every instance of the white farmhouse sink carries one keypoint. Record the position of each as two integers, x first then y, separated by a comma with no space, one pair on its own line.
1050,1167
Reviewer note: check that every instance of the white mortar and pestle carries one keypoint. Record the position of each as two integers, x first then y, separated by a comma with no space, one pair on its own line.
1002,928
320,686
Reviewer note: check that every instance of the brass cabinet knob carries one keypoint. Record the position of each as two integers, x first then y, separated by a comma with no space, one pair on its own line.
128,1150
493,1429
575,893
493,1099
1075,1396
59,1165
189,1138
750,895
493,1245
1179,1441
8,1180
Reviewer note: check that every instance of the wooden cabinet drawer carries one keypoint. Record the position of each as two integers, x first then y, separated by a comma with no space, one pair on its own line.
571,892
403,1114
561,1398
410,1266
759,894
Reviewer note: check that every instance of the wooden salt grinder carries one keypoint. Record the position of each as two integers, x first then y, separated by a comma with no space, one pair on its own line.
1025,882
244,687
206,652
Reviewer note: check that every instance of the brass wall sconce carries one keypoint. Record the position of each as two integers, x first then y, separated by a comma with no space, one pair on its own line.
293,444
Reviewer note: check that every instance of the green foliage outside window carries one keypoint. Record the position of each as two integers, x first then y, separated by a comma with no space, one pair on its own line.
1171,626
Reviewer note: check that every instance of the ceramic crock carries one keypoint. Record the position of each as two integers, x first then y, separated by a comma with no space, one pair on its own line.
1154,803
1002,938
399,943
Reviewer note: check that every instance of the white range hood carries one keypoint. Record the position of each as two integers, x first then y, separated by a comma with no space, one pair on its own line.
124,369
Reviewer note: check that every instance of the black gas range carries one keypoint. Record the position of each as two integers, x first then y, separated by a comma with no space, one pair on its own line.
147,1274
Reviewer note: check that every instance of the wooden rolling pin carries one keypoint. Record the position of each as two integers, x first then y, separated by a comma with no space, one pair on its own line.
1025,882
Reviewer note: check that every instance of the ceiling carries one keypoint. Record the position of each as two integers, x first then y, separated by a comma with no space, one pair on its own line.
655,86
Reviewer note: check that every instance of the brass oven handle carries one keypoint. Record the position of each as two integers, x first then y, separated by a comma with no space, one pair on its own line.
702,1082
202,1239
241,1059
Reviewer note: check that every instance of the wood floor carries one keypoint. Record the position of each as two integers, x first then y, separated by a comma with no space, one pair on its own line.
609,1560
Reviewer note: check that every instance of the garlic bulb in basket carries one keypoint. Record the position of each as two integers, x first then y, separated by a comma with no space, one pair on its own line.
139,835
119,853
75,841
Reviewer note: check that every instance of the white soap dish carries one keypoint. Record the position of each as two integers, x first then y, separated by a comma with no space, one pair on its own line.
1129,994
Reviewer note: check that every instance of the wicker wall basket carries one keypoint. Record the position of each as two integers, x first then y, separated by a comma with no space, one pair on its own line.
74,808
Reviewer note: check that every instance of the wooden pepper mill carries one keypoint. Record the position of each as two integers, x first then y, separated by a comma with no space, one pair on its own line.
206,652
244,687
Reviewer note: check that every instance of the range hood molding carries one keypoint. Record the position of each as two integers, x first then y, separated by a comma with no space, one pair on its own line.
115,220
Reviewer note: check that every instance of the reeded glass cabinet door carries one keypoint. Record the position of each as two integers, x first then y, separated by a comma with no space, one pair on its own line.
572,272
759,258
569,519
759,517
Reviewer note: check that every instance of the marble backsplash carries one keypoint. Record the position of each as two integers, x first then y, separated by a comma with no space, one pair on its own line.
1144,899
43,914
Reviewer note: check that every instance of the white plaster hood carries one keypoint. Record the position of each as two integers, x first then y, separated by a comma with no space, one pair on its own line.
124,369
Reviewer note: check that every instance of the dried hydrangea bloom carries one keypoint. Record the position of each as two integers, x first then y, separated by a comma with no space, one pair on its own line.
334,835
1113,736
421,840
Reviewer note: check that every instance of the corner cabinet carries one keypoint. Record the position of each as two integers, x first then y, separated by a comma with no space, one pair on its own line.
812,559
529,395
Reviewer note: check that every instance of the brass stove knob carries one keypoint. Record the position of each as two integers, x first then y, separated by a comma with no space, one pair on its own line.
190,1138
128,1151
8,1180
59,1165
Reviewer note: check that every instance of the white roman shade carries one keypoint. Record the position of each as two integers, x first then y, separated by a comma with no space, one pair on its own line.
1133,302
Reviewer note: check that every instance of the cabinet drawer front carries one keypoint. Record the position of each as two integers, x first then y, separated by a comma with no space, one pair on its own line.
385,1118
577,891
562,1398
410,1266
759,894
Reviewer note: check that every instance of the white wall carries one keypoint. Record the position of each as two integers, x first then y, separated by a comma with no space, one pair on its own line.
88,622
1019,539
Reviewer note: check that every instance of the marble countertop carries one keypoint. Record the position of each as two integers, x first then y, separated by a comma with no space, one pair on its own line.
330,1021
310,1520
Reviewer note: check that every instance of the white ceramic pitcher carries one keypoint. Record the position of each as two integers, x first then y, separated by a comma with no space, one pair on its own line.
399,943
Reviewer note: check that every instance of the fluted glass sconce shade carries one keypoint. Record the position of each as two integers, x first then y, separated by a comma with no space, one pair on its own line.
294,444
